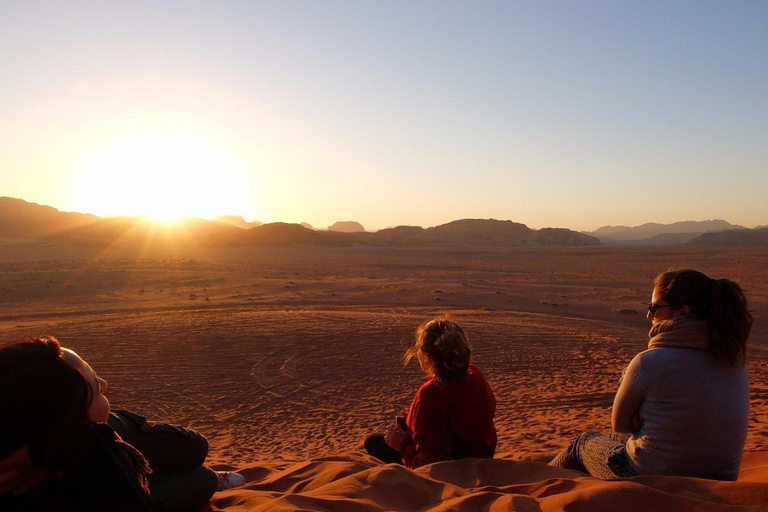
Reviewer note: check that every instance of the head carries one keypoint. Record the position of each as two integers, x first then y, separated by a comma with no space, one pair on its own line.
98,409
41,395
442,349
720,301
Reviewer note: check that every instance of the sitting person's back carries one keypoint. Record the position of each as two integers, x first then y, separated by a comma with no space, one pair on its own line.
682,407
451,416
468,405
695,407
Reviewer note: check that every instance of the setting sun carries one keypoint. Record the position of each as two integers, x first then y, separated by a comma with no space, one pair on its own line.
161,175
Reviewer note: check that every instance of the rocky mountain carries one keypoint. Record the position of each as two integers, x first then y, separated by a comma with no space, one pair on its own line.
348,226
20,219
562,236
503,233
757,236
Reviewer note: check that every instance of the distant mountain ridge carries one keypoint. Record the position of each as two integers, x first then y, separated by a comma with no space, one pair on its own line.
757,236
476,232
652,233
20,219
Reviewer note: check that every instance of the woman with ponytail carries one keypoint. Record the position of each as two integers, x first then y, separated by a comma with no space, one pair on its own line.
452,414
682,406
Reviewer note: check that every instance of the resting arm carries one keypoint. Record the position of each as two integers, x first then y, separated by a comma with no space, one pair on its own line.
625,416
431,440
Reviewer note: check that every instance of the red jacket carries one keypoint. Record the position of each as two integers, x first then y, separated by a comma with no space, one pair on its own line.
451,420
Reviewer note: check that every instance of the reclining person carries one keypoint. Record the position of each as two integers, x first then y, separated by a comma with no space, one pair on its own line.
50,397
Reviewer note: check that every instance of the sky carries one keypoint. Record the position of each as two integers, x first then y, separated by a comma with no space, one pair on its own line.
553,114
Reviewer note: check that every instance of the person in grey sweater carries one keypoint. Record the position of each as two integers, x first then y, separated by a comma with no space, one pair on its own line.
682,406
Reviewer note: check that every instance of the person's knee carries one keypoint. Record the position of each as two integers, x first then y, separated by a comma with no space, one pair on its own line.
372,441
170,448
584,438
196,447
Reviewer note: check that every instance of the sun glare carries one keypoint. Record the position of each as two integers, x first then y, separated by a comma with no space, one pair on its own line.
163,176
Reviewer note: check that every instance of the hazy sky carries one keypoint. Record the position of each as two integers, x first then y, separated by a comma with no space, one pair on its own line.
570,114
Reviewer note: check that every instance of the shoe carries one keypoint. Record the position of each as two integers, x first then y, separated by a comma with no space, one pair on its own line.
229,480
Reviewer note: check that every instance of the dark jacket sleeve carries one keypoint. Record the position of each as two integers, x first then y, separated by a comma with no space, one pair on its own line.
168,448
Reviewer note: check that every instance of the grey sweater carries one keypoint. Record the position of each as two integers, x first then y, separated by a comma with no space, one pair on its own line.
692,408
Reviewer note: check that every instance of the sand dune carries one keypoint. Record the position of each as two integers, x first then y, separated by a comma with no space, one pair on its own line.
359,483
287,359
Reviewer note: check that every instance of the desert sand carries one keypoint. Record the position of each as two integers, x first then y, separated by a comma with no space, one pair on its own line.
287,358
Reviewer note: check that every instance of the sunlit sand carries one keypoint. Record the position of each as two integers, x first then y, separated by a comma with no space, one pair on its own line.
287,358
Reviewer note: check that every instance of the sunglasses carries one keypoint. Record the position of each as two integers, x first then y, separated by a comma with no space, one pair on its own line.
653,307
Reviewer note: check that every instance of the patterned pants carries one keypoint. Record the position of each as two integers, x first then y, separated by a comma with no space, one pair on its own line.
600,456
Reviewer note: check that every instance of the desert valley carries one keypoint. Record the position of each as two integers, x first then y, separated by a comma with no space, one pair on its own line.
287,357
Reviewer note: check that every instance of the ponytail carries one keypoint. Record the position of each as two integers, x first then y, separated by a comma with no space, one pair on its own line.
720,301
729,322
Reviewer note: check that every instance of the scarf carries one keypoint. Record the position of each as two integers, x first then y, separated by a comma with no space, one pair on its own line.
681,332
136,462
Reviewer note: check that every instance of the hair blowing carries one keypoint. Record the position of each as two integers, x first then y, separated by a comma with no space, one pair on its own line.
443,347
720,301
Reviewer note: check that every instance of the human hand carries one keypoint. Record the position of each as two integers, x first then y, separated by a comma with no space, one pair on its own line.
396,437
18,474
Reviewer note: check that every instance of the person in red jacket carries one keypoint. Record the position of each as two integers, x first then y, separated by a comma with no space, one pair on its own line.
451,416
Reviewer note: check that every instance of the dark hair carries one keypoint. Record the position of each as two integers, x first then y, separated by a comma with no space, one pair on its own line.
720,301
444,349
41,395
